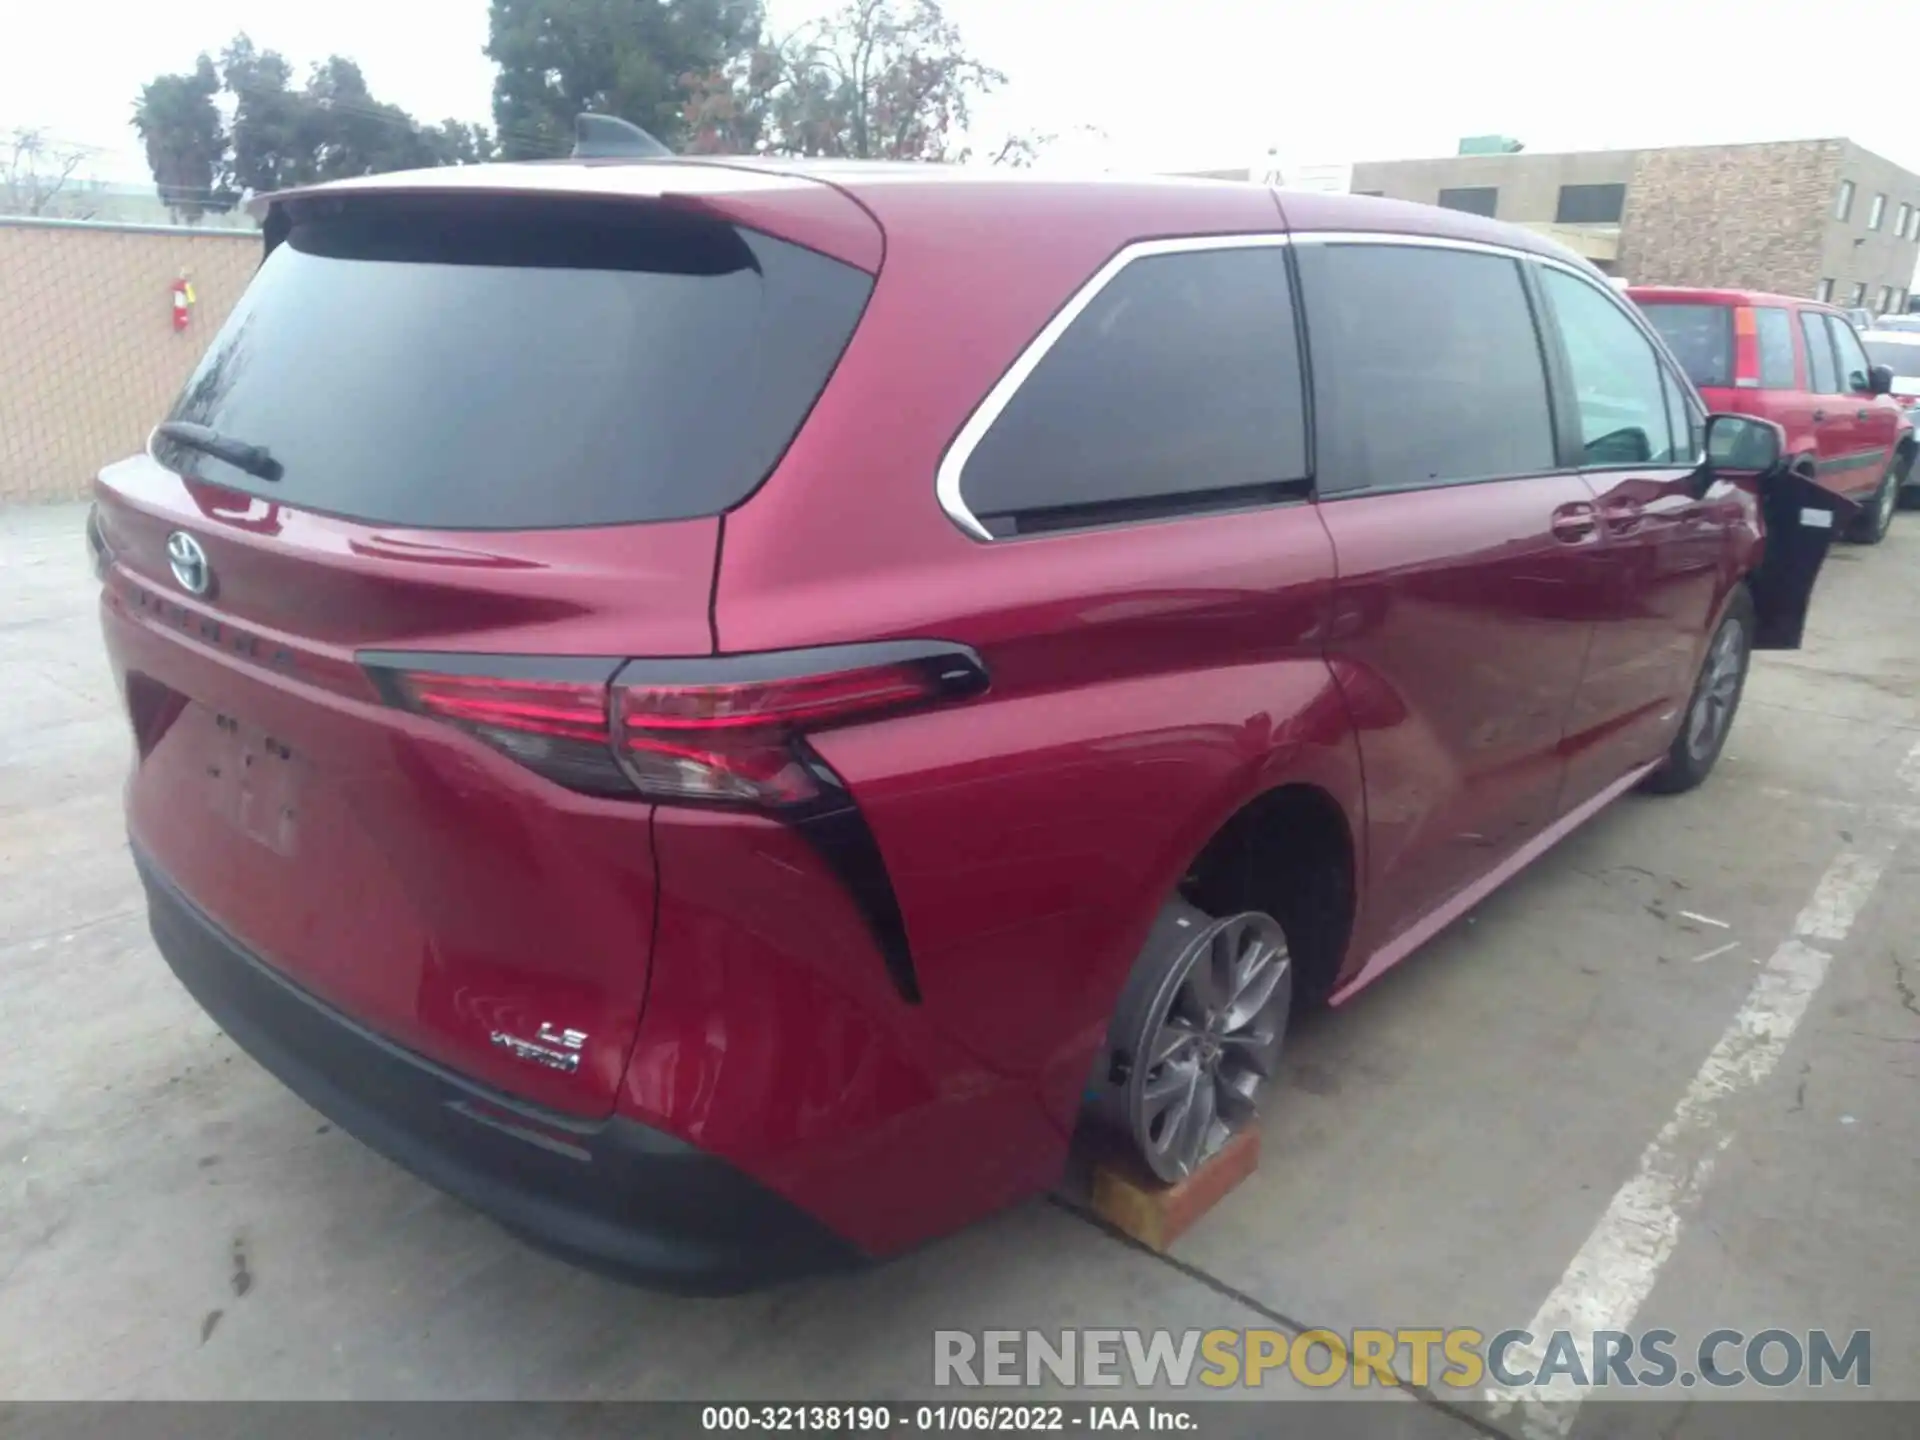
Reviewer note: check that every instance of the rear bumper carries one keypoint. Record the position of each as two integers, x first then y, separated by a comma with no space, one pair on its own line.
612,1195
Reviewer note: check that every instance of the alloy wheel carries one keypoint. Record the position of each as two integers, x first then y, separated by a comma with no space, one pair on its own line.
1719,692
1211,1043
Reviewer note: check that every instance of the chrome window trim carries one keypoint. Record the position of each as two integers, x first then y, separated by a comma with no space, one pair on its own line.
947,478
954,461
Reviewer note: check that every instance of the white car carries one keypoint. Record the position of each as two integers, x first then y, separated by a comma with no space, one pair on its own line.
1899,351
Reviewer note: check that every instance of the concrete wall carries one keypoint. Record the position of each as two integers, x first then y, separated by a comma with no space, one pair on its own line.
89,359
1529,184
1749,217
1881,257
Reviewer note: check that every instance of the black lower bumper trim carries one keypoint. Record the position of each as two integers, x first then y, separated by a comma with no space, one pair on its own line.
612,1195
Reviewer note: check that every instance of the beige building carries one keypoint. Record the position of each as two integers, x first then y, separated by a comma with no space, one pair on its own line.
1821,218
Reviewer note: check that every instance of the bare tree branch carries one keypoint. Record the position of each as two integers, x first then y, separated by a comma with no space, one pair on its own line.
38,169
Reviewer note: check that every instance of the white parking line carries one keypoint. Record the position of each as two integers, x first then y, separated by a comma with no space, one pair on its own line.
1616,1268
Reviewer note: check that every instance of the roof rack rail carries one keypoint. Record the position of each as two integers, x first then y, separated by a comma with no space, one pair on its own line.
608,137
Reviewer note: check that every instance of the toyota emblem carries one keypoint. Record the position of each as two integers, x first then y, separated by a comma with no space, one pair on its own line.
189,563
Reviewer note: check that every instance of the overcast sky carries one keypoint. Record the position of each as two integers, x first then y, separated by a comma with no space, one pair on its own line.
1172,83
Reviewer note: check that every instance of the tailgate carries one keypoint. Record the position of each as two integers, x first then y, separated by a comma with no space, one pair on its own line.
482,433
427,886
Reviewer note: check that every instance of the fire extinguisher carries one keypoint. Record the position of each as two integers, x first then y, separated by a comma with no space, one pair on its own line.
182,301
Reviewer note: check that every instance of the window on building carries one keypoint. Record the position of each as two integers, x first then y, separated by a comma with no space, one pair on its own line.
1180,377
1474,199
1875,211
1900,218
1449,335
1913,225
1886,300
1590,204
1843,207
1825,293
1822,373
1857,296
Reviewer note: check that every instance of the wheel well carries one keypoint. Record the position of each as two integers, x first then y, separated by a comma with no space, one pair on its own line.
1288,853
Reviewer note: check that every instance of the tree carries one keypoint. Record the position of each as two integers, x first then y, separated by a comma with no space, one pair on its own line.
455,142
263,140
185,140
628,58
34,171
881,79
329,129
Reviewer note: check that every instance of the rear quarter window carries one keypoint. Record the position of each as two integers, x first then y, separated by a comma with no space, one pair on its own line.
519,364
1176,386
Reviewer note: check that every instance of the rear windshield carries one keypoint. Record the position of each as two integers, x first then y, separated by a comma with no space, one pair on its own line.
501,365
1701,338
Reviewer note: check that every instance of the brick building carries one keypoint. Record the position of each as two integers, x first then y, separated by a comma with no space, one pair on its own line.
1823,218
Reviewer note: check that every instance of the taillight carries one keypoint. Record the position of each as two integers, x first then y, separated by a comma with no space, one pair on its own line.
729,730
99,553
1746,348
740,740
557,726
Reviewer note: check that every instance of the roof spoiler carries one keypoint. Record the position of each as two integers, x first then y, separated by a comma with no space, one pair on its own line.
608,137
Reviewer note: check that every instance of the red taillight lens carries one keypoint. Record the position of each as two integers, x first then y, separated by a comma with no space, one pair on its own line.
739,741
728,730
555,725
558,708
1746,348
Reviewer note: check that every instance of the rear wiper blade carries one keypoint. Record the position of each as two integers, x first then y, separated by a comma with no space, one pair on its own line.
254,459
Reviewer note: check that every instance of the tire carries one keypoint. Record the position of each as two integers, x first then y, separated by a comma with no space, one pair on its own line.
1874,522
1196,1038
1714,703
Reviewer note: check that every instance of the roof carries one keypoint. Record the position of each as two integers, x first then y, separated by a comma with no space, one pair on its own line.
921,194
1712,295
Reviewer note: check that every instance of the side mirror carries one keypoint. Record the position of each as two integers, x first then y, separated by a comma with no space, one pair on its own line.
1880,380
1741,442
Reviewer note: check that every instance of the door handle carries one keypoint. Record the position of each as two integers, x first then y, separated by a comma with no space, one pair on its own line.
1623,516
1572,522
1818,416
1863,414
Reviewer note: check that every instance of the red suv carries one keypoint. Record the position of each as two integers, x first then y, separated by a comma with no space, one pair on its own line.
1801,365
717,710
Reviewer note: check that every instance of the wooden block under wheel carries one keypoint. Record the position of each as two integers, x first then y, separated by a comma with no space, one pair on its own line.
1134,1201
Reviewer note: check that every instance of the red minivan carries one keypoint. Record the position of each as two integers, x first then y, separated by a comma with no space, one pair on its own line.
1801,365
718,710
